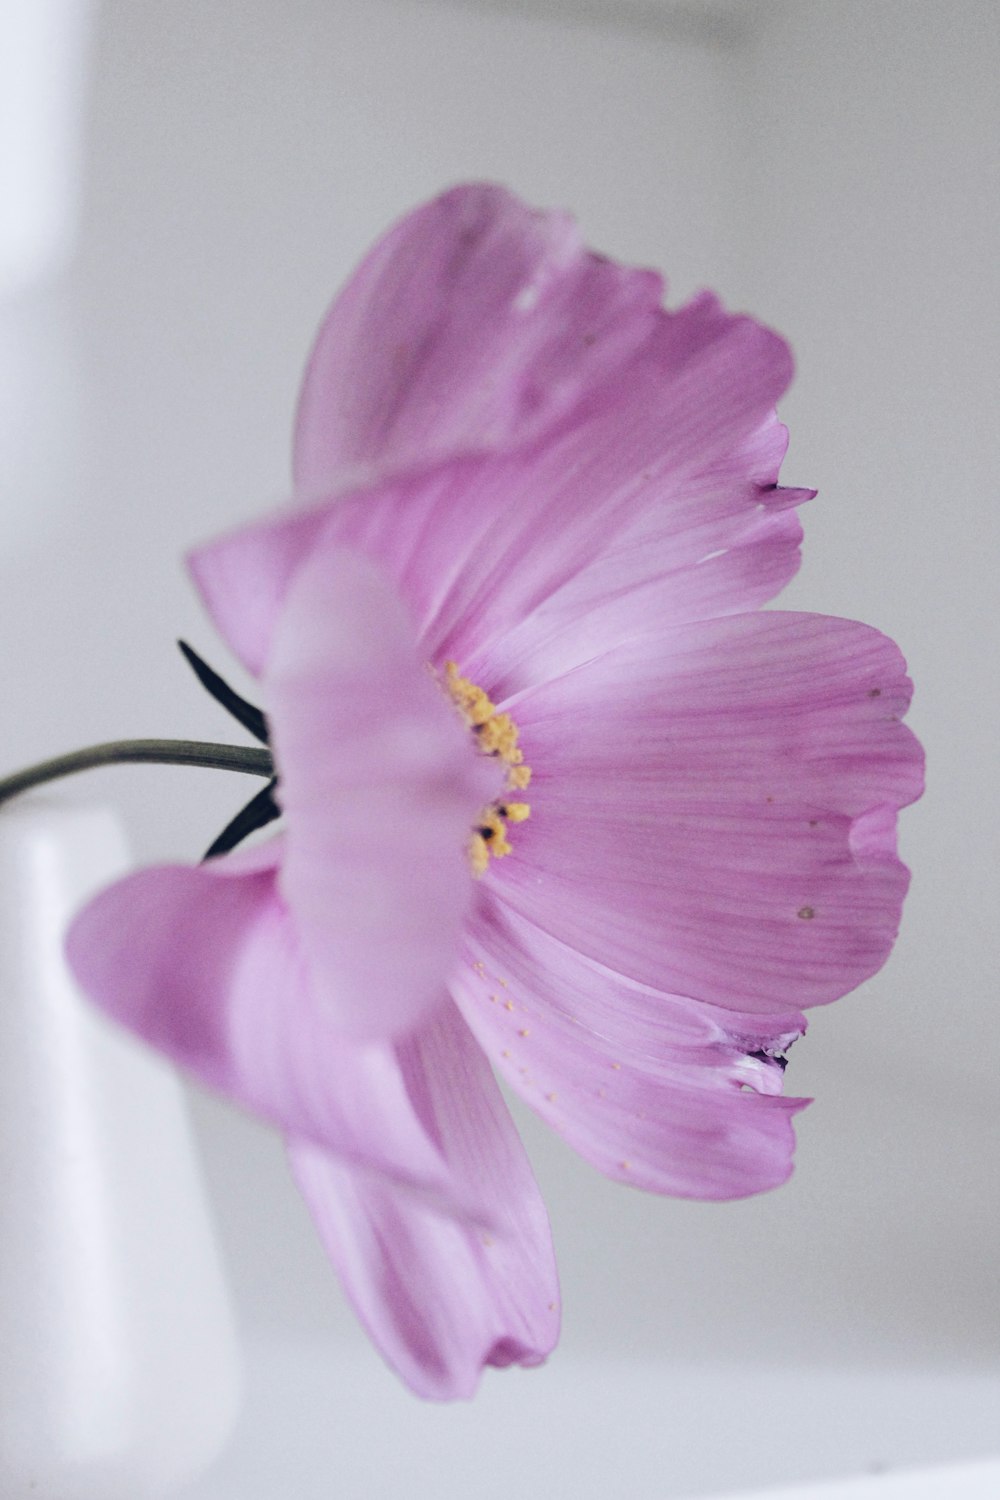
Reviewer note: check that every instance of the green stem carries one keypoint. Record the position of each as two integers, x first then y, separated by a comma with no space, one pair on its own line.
250,760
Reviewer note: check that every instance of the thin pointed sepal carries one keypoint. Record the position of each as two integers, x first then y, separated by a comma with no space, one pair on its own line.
245,713
259,811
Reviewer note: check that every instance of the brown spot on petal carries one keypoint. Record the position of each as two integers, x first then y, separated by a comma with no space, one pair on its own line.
806,913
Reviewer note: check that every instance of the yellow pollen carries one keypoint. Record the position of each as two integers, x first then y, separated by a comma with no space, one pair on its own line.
496,735
479,854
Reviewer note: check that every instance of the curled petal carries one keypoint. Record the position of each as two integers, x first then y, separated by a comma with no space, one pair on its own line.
713,809
442,1299
656,1090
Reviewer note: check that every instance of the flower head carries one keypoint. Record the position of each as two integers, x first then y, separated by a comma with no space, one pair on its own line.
558,799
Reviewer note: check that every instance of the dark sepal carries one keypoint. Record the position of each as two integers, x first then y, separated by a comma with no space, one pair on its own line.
250,717
259,811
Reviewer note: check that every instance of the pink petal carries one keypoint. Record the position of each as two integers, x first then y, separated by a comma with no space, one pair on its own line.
668,464
724,541
243,579
473,325
379,785
713,809
656,500
439,1299
657,1090
205,964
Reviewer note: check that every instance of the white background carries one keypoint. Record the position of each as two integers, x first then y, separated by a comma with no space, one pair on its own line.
829,165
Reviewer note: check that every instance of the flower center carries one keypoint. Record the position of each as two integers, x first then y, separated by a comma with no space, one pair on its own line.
496,735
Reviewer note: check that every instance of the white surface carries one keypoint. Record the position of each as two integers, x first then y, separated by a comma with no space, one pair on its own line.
318,1422
833,171
954,1482
119,1374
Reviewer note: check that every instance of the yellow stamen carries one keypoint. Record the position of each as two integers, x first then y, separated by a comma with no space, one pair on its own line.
496,735
493,832
479,854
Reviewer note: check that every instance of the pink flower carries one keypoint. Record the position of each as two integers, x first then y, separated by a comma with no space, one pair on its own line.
558,798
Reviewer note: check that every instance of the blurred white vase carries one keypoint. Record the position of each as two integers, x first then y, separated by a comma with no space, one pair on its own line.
44,60
119,1368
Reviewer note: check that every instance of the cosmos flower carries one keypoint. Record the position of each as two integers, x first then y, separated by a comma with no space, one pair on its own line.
559,800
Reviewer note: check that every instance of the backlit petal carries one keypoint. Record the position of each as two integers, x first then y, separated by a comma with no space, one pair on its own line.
713,809
656,1090
440,1299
